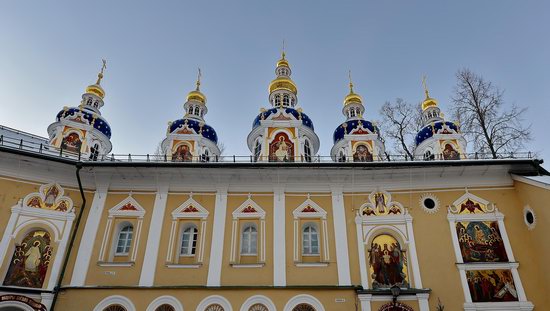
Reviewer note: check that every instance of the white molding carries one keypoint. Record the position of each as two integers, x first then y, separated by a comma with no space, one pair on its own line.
531,182
236,233
216,250
149,266
115,210
279,238
361,251
116,264
214,299
499,306
311,264
166,299
487,265
178,266
16,305
115,299
304,298
319,211
258,299
248,265
341,237
178,212
88,239
238,212
527,209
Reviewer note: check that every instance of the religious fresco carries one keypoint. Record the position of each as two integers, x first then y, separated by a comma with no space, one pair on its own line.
182,154
472,207
281,149
387,263
49,197
71,142
381,204
491,285
362,154
449,153
480,242
30,260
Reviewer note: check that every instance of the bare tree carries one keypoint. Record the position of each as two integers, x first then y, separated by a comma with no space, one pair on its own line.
479,106
400,123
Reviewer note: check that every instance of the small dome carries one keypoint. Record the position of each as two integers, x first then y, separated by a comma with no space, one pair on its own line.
306,121
98,122
353,98
429,130
96,89
207,131
196,95
350,126
283,83
429,102
283,62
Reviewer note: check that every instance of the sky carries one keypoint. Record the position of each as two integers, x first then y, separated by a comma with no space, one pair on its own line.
51,50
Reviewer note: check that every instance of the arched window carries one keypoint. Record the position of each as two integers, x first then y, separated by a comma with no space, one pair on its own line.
94,152
96,104
257,150
190,110
196,110
89,101
214,307
249,240
277,100
428,155
258,307
352,113
115,308
303,307
165,307
310,240
205,157
342,156
286,100
307,151
189,241
124,240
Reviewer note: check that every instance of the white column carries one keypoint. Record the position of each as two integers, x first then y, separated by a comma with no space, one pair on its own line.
361,252
60,252
340,237
279,238
365,301
89,236
148,269
216,250
412,252
5,244
423,302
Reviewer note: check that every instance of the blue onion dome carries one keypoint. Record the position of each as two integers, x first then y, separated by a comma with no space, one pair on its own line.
202,128
295,113
349,126
430,129
90,117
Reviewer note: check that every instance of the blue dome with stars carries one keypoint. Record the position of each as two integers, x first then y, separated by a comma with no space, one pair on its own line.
351,125
429,130
99,124
208,132
264,115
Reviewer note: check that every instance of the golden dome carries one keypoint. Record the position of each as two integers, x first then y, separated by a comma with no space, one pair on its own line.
96,89
429,102
283,83
283,61
353,98
196,95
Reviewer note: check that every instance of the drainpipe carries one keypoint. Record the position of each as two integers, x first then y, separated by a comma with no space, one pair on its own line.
73,237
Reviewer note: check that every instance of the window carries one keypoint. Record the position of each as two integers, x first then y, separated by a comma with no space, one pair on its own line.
249,240
205,157
307,151
189,241
115,308
257,150
165,307
352,113
215,307
286,100
124,241
196,110
428,156
303,307
310,240
278,100
342,156
190,111
258,307
94,152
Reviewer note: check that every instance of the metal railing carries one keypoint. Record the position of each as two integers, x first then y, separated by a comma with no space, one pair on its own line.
46,149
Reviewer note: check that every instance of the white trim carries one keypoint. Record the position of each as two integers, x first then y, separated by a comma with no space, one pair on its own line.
148,268
115,299
16,304
116,264
411,247
311,264
84,254
178,266
361,251
303,298
341,237
238,212
166,299
115,210
214,299
59,256
499,306
178,212
216,250
248,265
319,211
258,299
279,238
530,181
528,209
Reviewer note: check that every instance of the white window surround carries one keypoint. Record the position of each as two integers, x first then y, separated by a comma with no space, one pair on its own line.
169,300
317,213
25,218
115,300
492,214
190,209
248,210
214,299
119,211
258,299
304,298
528,209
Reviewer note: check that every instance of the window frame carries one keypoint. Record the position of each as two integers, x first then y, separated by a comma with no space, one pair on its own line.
193,240
250,245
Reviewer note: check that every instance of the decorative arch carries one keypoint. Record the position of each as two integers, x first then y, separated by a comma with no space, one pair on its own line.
33,224
18,304
397,306
162,300
212,300
49,197
304,299
380,204
258,299
115,300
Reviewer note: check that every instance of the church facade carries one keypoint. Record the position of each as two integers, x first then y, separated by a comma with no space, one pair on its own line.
191,229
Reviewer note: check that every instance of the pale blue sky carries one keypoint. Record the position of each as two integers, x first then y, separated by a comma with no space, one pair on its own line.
50,51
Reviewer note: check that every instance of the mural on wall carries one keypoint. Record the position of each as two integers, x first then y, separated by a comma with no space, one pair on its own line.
71,142
480,242
387,263
362,154
381,204
449,153
281,149
182,154
49,197
491,285
29,264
